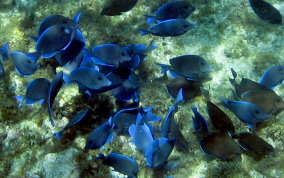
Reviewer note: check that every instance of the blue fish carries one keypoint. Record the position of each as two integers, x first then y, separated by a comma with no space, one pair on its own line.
168,28
114,7
100,137
36,90
159,151
188,66
53,40
272,76
110,55
4,52
88,61
89,78
54,88
24,64
75,120
266,11
246,112
58,20
172,10
199,124
72,56
123,119
121,163
141,135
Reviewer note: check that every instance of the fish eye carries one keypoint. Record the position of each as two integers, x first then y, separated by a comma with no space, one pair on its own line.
280,69
185,26
185,7
202,63
100,78
123,54
256,111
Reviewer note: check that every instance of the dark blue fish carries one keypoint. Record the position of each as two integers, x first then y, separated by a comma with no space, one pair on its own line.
121,163
272,76
110,55
54,39
266,11
141,135
72,56
172,27
140,51
114,7
36,90
88,61
99,137
4,52
58,20
199,124
158,152
89,78
129,89
75,120
221,146
246,112
172,10
188,66
24,64
55,86
123,119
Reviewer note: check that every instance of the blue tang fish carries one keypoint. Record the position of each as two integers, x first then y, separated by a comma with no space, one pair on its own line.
121,163
54,39
114,7
58,20
110,55
141,134
266,11
89,78
188,66
159,151
246,112
36,90
72,56
172,10
100,137
75,120
4,55
168,28
273,76
24,64
54,88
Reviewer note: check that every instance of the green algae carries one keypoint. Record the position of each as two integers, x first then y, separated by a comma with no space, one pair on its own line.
228,35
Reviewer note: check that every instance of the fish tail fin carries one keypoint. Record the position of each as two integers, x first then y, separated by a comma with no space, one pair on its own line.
164,67
66,79
76,18
179,97
101,156
225,102
144,32
20,99
151,46
34,56
150,19
58,135
5,49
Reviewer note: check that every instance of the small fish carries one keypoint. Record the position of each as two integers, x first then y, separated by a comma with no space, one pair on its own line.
114,7
172,10
54,88
110,55
72,56
36,90
199,124
268,100
168,28
54,39
221,145
266,11
141,134
99,137
272,76
245,85
75,120
159,151
190,88
121,163
219,119
88,77
123,119
188,66
24,64
58,20
4,52
252,143
246,112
